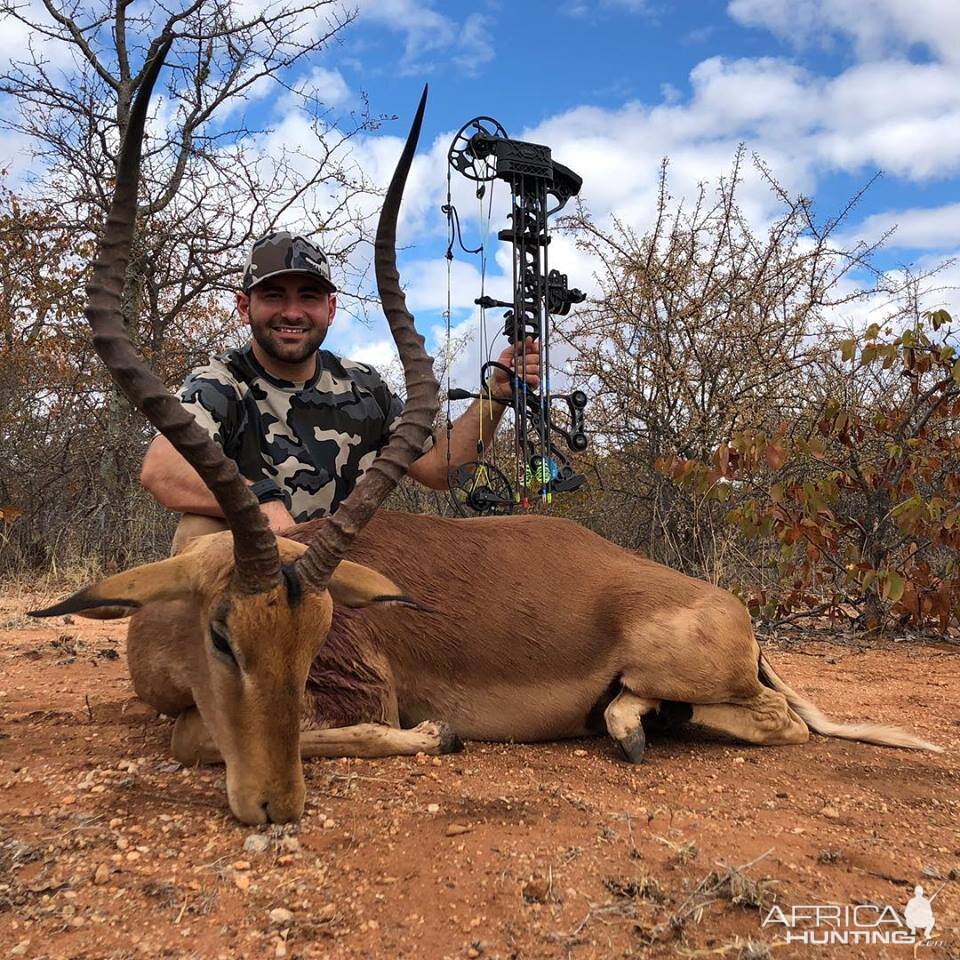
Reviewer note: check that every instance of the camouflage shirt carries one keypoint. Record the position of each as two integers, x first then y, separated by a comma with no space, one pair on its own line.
314,439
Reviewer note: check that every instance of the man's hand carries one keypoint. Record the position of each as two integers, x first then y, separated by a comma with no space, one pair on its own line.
478,424
527,368
277,514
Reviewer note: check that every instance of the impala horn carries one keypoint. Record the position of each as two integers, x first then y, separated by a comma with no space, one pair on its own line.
254,545
334,536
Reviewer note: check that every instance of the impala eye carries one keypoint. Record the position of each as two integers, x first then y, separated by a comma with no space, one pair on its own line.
221,644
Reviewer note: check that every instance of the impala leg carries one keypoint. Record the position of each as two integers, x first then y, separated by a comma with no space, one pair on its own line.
191,526
624,720
379,740
191,743
763,719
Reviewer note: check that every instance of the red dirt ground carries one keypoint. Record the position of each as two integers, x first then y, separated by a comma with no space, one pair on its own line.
108,849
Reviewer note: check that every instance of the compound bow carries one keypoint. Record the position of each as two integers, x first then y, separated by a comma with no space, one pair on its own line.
482,152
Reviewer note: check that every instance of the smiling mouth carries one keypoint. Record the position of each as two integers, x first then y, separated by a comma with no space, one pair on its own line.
290,330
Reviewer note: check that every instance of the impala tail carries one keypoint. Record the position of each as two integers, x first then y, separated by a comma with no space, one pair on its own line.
819,722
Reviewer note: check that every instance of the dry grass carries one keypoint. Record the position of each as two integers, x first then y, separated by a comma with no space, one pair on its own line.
727,883
47,587
644,887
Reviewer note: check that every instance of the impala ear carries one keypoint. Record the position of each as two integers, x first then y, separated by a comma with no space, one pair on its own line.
354,585
119,595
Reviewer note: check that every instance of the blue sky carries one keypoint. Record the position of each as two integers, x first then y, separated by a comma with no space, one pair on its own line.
540,61
828,92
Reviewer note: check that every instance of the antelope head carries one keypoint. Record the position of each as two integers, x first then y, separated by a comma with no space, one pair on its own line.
265,602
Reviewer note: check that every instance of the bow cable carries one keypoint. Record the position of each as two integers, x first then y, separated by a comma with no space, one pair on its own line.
485,347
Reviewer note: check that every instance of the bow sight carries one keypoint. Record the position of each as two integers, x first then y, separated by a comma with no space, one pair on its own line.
482,152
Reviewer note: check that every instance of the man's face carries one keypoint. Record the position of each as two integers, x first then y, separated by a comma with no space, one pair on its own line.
288,315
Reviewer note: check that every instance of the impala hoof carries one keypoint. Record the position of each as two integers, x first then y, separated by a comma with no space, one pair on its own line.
449,741
634,745
442,733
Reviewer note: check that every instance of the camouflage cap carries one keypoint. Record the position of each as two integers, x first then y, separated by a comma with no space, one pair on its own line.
283,252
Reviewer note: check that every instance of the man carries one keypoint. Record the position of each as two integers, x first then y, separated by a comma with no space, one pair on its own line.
301,423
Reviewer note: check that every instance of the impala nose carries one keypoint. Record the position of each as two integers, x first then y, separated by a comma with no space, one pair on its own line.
282,811
271,807
254,798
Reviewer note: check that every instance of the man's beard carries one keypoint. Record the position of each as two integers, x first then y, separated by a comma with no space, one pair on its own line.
288,352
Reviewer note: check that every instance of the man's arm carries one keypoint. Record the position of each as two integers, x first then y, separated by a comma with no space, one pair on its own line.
477,425
174,484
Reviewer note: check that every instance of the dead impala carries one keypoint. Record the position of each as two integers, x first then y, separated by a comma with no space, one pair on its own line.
233,630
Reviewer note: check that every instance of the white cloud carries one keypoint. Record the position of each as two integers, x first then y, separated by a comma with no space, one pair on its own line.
327,86
918,228
379,353
426,284
902,117
882,111
475,43
931,282
17,40
429,34
375,346
590,8
318,88
877,27
258,91
424,28
16,158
